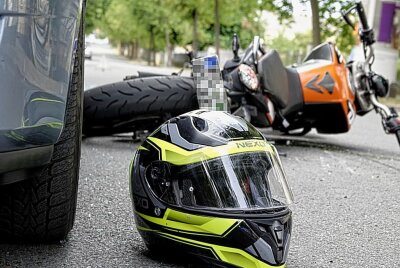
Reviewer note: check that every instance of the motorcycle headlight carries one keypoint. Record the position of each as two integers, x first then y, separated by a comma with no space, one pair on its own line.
380,84
248,77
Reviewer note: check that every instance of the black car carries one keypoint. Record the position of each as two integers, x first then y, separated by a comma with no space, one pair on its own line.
41,72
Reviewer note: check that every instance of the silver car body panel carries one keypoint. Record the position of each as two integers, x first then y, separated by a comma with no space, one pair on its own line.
38,40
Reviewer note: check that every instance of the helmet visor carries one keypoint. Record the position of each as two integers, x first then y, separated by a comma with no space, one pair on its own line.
252,180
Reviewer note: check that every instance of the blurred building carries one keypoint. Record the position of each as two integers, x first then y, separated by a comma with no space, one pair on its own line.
384,16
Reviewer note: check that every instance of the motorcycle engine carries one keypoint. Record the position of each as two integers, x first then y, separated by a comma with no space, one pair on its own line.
359,82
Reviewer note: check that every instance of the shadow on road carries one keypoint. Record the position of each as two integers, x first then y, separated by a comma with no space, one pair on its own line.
324,142
308,141
177,258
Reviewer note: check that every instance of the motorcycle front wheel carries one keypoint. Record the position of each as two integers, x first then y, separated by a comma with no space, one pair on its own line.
137,104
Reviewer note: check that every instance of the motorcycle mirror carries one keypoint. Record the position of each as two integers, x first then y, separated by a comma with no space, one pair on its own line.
345,15
190,55
235,47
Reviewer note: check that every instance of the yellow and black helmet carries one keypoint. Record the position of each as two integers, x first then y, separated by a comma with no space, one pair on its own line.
209,184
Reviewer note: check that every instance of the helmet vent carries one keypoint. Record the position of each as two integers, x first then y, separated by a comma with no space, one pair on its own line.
200,124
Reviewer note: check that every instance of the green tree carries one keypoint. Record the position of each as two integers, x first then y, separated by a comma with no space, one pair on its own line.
327,22
243,17
95,13
158,25
334,25
315,23
291,50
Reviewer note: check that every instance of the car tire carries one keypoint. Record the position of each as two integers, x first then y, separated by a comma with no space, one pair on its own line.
42,207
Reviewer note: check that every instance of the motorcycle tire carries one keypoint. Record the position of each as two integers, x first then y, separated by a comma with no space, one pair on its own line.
138,104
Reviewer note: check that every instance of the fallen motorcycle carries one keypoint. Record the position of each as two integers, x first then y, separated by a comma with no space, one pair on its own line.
324,93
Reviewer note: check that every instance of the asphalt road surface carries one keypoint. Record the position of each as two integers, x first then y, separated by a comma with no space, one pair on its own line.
346,189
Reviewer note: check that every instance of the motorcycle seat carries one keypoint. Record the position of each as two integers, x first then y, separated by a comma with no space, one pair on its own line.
281,83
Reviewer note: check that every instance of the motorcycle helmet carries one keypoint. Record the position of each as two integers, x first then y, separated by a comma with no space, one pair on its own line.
208,184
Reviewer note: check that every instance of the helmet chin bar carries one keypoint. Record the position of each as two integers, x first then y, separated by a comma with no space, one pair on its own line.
276,233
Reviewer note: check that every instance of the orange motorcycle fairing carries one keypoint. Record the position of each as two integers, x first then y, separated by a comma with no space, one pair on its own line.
328,96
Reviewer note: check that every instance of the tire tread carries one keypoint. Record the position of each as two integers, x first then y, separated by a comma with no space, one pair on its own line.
136,98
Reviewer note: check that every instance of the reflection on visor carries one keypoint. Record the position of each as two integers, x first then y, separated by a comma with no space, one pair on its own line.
245,181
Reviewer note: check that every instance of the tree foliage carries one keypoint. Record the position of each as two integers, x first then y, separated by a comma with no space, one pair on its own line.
159,25
95,13
292,50
331,25
130,20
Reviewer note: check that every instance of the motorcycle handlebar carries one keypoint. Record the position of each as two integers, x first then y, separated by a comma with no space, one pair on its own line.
390,119
361,15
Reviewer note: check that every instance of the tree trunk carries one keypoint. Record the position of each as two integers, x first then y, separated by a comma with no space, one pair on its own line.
216,26
195,17
119,47
130,50
315,23
170,52
152,47
123,51
136,49
167,58
150,50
